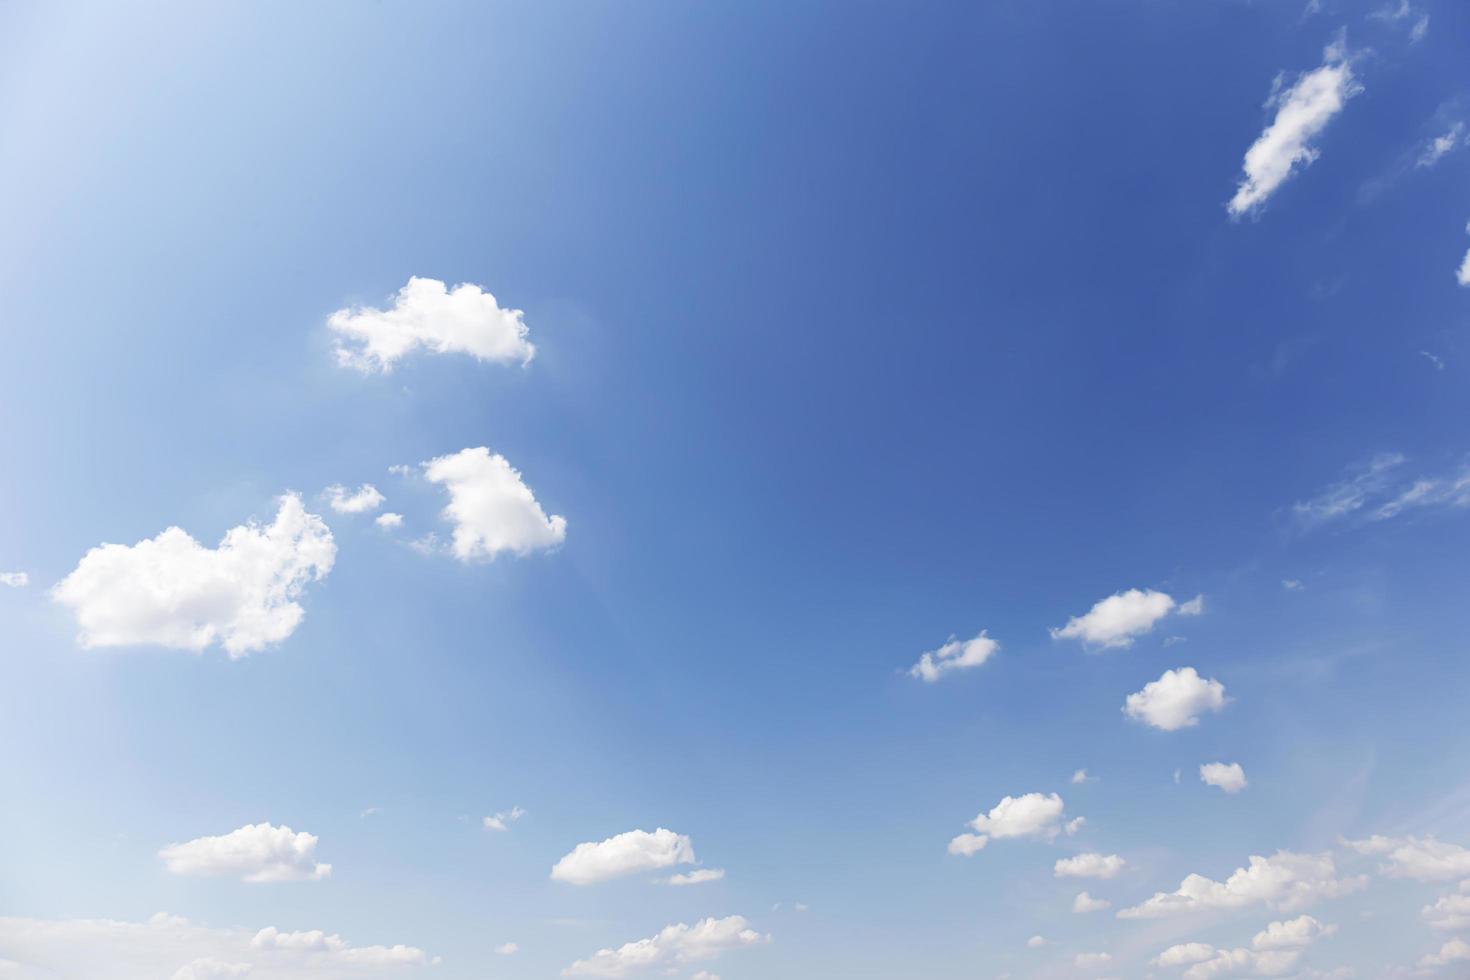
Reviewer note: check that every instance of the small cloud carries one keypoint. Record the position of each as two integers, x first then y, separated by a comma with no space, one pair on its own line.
954,655
1292,584
1119,619
1434,359
369,812
429,316
1036,942
1230,778
507,949
502,821
1194,607
1085,903
696,877
1176,700
389,520
360,501
16,580
1081,776
1462,274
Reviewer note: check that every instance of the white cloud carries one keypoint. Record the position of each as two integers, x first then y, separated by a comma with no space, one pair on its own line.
1302,111
172,947
503,820
1292,933
625,854
1194,607
1244,962
1184,954
1080,776
1454,951
1462,274
1091,961
1036,942
1090,865
1230,778
1119,619
701,875
1423,859
492,510
967,844
173,592
16,580
1451,911
954,655
389,520
1285,882
256,852
674,946
1442,145
508,949
1085,903
360,501
1348,496
1033,815
1400,12
1175,700
465,320
1292,584
704,975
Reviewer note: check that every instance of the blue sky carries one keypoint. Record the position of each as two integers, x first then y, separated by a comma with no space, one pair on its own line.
791,342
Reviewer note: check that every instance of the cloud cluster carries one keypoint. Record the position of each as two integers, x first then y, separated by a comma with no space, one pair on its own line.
1423,859
1303,111
1176,700
954,655
1033,815
1284,882
171,591
1120,619
425,314
491,508
1275,950
1451,911
624,854
256,853
365,498
674,946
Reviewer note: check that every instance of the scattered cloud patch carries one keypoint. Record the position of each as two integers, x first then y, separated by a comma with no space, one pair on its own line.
701,875
507,949
426,314
491,508
1036,942
625,854
1451,911
1176,700
966,845
1119,619
255,853
1034,815
1292,933
502,821
1081,776
1090,865
1286,882
389,520
1441,146
1462,274
365,498
1085,903
1229,777
1454,951
674,946
171,591
1303,111
1091,961
954,655
1422,859
1194,607
16,580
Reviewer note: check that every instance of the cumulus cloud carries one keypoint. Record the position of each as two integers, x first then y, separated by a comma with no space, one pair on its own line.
1176,700
1423,859
698,877
1184,954
1230,778
1292,933
1090,865
1085,903
491,508
1244,963
1303,111
1454,951
1119,619
425,314
1285,882
674,946
389,520
359,501
1091,961
966,845
256,853
168,946
1080,776
1275,950
16,580
625,854
1033,815
171,591
1451,911
1462,274
954,655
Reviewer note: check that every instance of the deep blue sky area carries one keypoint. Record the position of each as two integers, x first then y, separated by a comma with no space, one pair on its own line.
858,327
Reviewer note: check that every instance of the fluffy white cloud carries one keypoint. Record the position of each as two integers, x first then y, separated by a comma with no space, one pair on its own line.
1462,274
967,844
1175,700
1034,815
389,520
1441,145
171,947
1230,778
1091,961
1080,776
492,510
954,655
625,854
1036,942
1085,903
464,320
1303,110
1090,865
508,949
1184,954
1454,951
1286,882
502,821
1119,619
359,501
1243,963
1423,859
1451,911
674,946
174,592
697,877
16,580
256,852
1292,933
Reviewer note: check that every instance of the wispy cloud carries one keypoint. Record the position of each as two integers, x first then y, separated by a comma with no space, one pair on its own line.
1373,491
